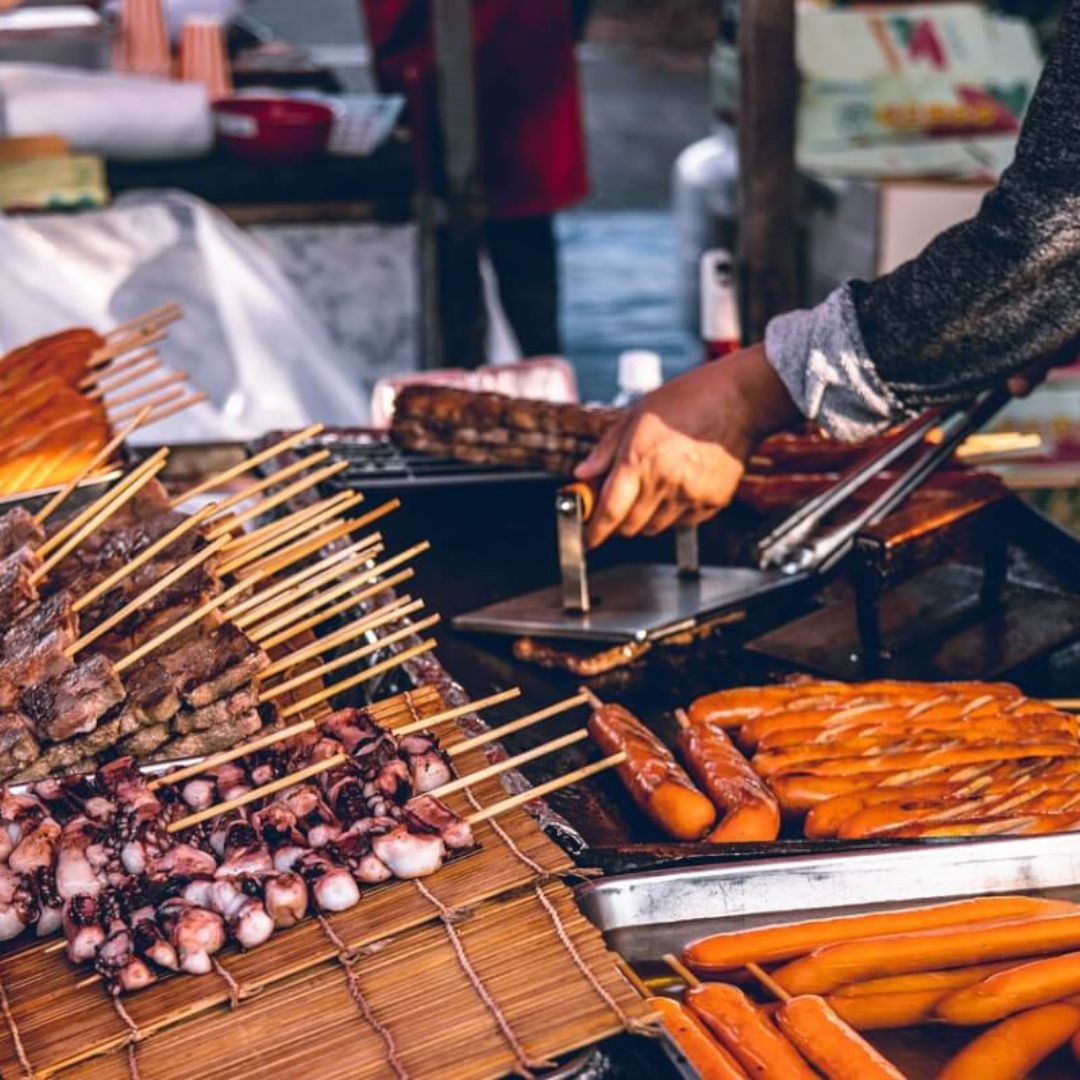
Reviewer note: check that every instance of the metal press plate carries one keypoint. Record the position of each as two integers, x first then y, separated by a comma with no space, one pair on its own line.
633,602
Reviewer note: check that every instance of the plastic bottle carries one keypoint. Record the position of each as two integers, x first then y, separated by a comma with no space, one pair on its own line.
720,328
640,371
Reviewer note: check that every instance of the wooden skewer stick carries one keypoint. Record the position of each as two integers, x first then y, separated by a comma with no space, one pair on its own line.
632,977
459,710
1067,704
263,741
247,547
123,493
356,680
88,511
357,654
281,475
768,981
132,606
311,541
323,576
136,339
286,493
171,410
172,379
519,724
541,790
399,608
162,583
279,622
248,463
144,557
680,969
509,763
256,600
102,381
350,602
258,793
99,459
163,313
177,627
164,398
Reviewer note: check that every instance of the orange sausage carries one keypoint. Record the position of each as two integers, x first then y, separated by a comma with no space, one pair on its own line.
830,1044
652,776
747,1032
709,1059
748,811
1013,990
729,708
1012,1049
880,1012
769,944
1017,825
949,756
852,961
824,819
943,982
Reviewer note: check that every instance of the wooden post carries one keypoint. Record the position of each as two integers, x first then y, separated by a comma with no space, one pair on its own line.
767,181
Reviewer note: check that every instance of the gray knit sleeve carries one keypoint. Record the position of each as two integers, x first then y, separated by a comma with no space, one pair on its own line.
983,300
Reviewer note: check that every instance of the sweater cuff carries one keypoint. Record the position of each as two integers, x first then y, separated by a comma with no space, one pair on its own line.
820,357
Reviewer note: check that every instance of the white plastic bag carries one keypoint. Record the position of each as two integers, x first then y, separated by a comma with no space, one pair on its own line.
247,337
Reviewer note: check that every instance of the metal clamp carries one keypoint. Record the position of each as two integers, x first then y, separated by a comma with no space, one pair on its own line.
570,517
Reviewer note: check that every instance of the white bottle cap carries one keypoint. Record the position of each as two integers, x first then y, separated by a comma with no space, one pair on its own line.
640,370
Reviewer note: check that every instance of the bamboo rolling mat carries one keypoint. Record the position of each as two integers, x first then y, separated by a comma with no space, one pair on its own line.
484,968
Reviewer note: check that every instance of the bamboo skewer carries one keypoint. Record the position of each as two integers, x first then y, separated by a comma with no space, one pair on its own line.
181,624
129,370
541,790
121,494
324,532
459,710
399,608
171,410
356,680
144,557
258,793
248,463
260,607
88,511
263,629
97,460
264,741
269,481
135,339
286,493
165,398
1067,704
519,724
509,763
330,666
128,609
324,566
172,379
293,629
162,314
680,969
273,534
632,977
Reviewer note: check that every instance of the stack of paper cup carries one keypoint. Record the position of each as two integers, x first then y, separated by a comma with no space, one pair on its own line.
144,40
203,58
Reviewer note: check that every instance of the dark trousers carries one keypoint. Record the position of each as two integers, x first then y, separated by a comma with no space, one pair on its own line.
523,255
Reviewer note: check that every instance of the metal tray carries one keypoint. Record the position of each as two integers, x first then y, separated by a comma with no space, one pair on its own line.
643,916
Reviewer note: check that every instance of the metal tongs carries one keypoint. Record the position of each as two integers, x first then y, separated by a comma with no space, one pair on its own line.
792,546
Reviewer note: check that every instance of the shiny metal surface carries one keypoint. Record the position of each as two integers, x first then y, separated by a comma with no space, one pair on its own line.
570,527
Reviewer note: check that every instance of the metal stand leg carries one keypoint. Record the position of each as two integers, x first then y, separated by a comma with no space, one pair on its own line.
872,650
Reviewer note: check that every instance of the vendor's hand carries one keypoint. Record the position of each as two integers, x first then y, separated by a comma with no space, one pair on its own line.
676,457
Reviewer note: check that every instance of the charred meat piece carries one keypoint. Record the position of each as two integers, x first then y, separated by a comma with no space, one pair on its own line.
18,529
18,743
152,693
68,756
146,740
17,591
73,703
51,616
217,713
209,742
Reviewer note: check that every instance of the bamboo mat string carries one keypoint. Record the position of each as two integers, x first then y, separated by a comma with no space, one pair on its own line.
230,982
628,1022
136,1035
525,1065
16,1038
352,985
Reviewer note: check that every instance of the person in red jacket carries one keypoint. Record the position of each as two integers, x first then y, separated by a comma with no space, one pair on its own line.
531,153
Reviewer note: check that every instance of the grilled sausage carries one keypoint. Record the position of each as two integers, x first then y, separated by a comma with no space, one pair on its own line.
708,1057
653,777
748,811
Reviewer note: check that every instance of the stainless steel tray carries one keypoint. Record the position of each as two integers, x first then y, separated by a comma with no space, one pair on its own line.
643,916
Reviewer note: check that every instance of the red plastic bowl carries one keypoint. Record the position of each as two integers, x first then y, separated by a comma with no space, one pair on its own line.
276,131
